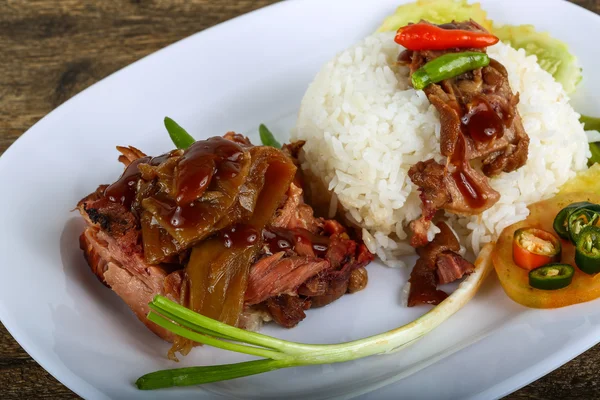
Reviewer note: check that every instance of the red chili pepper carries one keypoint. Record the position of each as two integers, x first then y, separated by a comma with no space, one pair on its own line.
533,248
424,36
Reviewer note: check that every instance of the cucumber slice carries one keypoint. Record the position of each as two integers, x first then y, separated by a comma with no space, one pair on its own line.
553,55
436,12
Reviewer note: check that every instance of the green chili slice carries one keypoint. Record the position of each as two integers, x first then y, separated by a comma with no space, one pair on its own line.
587,253
179,136
581,218
561,222
551,276
267,138
448,66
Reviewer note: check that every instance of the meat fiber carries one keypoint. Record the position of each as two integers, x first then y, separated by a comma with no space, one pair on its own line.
131,248
479,121
438,263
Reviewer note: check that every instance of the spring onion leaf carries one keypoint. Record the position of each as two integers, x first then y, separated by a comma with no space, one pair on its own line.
179,136
277,353
267,138
199,375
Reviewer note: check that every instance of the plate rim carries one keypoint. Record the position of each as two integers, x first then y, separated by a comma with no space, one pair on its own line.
84,389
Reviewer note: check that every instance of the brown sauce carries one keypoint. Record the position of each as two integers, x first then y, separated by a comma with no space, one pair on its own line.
181,216
124,189
481,122
239,235
200,166
468,189
286,239
204,160
156,161
465,185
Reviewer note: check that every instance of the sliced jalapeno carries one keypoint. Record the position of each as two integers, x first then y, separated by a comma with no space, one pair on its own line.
561,222
582,217
551,276
587,250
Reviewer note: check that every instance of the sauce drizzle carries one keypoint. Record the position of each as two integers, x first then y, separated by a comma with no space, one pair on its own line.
204,160
465,184
124,189
204,164
239,235
482,122
277,239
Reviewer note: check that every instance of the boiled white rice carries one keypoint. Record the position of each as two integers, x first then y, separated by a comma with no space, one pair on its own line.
364,128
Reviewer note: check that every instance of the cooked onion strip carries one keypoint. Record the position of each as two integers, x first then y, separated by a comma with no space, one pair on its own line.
279,353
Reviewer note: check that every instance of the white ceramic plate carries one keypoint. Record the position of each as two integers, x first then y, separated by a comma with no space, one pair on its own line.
232,77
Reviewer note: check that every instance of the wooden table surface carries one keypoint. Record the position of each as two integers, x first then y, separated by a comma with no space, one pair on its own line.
52,49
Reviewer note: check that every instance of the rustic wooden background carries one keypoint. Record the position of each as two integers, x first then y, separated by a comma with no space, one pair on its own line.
52,49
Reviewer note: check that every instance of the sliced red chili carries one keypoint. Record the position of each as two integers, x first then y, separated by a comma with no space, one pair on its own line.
533,248
423,36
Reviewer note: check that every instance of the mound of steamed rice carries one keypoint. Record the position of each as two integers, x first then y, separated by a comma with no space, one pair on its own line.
364,127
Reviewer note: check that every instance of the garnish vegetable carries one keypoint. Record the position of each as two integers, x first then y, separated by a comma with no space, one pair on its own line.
595,150
534,247
277,353
553,55
179,136
592,124
561,222
424,36
515,280
551,276
587,256
581,218
448,66
436,12
585,181
267,138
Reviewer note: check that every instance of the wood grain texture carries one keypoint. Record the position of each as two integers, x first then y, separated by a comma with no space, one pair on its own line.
52,49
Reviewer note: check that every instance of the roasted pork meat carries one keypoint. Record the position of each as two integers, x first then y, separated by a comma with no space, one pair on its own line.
481,136
221,228
438,263
479,122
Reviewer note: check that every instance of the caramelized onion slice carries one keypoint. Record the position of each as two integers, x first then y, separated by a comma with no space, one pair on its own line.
184,215
217,276
158,244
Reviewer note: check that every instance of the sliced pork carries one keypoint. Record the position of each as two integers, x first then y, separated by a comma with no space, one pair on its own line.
223,216
438,263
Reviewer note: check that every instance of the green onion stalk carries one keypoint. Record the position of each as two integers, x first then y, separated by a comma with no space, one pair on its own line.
275,353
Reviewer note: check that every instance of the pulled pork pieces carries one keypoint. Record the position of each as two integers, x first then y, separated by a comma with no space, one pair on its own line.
438,263
479,121
221,228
